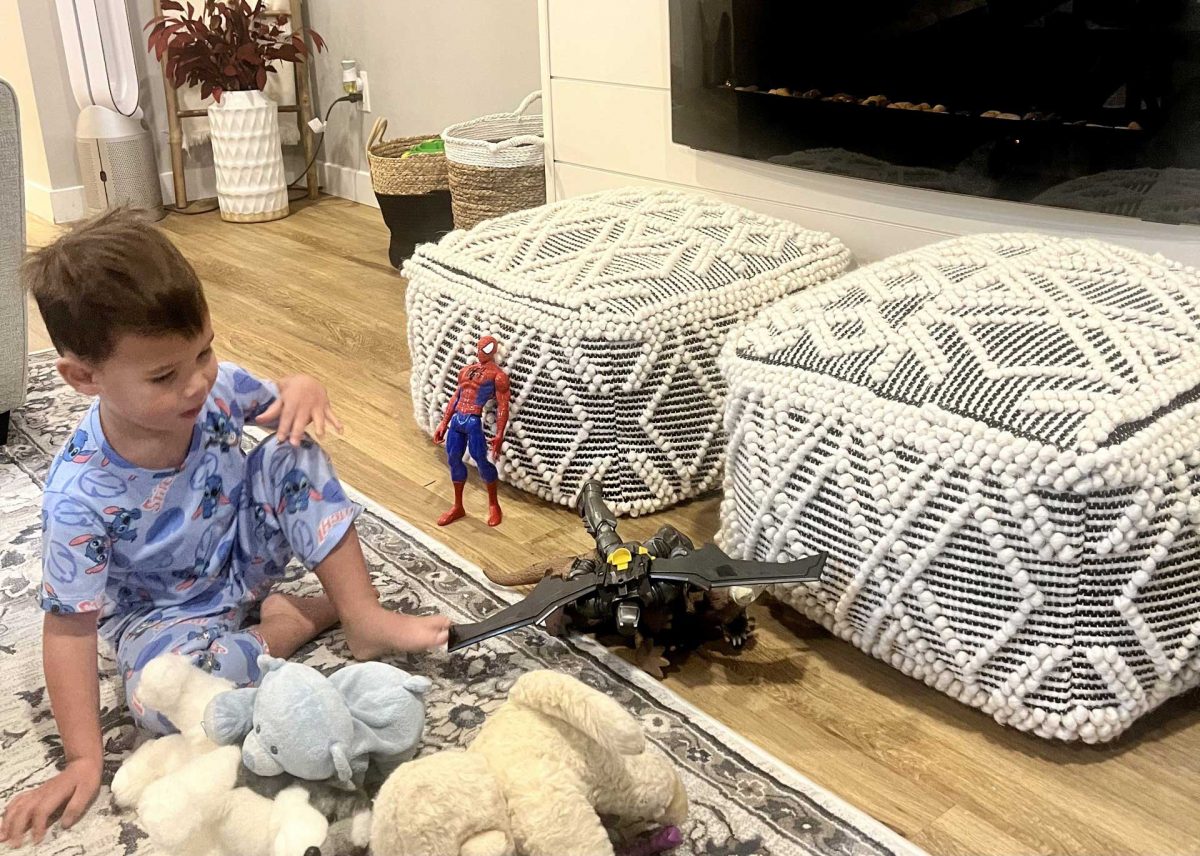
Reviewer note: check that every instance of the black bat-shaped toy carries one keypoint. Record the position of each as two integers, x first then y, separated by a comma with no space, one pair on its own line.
625,578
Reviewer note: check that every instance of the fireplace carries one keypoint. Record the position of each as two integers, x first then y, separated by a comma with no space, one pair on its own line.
1089,104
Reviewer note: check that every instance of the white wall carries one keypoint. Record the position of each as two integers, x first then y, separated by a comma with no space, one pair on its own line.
56,104
429,64
14,67
31,59
607,68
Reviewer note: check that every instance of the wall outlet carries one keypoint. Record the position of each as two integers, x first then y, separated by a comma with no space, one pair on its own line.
365,88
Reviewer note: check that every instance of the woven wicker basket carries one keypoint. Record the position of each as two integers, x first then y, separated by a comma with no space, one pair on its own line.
496,164
395,175
413,192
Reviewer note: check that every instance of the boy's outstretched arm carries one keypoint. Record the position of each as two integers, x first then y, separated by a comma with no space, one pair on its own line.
69,661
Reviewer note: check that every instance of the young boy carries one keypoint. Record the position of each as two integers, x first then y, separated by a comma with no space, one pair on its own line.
159,533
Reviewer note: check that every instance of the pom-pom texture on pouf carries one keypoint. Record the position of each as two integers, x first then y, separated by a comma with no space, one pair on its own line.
996,441
611,311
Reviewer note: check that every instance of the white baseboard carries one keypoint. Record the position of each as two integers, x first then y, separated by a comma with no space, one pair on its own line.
56,205
66,204
347,182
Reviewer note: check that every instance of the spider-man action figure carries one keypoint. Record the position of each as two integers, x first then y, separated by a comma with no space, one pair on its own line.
462,427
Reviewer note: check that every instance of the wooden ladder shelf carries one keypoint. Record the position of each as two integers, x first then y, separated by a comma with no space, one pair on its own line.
302,109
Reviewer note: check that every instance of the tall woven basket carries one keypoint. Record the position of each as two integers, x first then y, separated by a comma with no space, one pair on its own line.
496,164
413,192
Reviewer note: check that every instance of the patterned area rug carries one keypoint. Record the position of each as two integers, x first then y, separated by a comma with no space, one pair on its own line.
743,801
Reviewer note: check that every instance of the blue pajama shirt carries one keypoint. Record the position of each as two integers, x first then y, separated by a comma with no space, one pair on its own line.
176,560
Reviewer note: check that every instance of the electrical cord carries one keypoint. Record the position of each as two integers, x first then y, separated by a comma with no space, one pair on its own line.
353,97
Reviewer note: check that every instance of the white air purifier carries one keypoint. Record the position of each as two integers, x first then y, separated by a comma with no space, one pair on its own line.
113,146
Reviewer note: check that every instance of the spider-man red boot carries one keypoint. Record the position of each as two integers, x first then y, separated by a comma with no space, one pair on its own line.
457,510
495,515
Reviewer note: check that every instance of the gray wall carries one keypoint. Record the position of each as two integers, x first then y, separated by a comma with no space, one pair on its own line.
198,163
430,63
56,108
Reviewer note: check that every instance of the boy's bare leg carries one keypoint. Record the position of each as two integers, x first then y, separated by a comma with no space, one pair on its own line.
289,621
371,630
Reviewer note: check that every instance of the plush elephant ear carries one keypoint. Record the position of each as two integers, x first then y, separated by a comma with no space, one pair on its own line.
230,716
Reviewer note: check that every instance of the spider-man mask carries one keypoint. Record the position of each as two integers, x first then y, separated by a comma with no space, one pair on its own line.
485,351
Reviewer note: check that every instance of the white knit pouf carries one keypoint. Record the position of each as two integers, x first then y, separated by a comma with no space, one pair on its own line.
997,441
611,311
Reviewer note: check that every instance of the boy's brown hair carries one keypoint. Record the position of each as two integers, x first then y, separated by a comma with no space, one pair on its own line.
112,275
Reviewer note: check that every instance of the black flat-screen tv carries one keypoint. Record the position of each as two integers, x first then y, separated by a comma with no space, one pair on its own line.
1089,104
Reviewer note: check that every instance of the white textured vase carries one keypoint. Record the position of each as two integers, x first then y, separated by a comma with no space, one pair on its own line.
248,157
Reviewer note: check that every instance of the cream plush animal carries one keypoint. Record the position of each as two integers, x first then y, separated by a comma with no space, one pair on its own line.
185,787
555,756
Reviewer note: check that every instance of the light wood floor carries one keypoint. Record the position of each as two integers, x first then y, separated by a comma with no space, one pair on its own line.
314,293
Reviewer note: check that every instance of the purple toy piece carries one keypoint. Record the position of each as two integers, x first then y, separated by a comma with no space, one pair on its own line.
667,838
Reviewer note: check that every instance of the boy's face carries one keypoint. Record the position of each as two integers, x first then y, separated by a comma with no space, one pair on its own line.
158,383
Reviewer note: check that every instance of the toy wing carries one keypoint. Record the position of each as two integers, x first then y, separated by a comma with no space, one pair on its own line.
709,567
547,596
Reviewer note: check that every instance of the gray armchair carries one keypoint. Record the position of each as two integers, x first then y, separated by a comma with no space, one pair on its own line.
13,347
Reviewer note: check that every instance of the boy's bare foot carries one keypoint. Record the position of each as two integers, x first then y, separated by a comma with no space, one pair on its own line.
289,621
371,630
381,631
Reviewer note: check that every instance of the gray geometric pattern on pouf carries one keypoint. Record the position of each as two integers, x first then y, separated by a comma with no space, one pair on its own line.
996,441
611,310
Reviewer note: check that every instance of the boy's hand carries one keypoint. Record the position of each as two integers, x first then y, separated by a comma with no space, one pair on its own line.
302,402
75,787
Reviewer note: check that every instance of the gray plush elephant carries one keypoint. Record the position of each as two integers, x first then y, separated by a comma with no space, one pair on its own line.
317,728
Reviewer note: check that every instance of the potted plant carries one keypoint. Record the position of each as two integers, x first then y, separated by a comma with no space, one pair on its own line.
227,48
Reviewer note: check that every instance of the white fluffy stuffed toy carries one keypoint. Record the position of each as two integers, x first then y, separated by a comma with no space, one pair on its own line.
185,787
